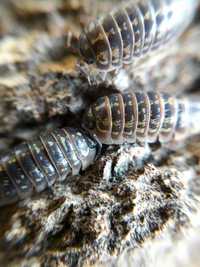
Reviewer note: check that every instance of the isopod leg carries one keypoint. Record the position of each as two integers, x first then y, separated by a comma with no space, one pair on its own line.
72,43
92,75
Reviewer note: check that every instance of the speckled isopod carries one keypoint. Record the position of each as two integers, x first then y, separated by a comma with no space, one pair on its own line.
133,30
143,116
33,166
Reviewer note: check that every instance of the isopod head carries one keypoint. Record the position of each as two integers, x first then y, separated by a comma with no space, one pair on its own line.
85,50
98,119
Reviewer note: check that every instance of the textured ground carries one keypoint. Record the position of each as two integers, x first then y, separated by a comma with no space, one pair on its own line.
134,206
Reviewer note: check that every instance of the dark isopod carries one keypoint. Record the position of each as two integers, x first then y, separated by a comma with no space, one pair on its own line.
33,166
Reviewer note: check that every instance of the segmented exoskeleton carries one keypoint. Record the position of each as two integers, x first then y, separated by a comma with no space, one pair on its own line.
133,30
143,116
33,166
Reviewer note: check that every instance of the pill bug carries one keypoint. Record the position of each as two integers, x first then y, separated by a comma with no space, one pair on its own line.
141,116
132,31
33,166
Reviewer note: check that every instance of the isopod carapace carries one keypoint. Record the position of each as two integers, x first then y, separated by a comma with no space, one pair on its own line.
143,116
132,30
33,166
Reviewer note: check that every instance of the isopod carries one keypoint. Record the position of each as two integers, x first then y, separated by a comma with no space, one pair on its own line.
132,31
143,116
33,166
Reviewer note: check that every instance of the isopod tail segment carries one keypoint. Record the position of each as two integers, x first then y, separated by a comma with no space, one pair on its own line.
34,166
144,117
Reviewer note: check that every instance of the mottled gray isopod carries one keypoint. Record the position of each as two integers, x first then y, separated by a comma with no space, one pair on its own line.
133,30
143,116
